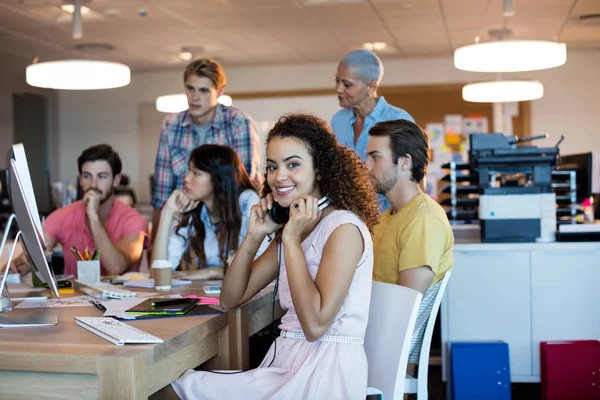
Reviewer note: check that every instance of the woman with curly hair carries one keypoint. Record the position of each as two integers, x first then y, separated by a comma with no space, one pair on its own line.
201,224
323,260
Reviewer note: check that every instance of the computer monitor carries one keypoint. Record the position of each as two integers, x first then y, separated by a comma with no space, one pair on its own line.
24,207
587,168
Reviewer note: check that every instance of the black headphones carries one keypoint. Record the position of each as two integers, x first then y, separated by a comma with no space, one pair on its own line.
281,215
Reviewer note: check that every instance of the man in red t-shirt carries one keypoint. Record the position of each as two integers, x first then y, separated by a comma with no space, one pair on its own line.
99,222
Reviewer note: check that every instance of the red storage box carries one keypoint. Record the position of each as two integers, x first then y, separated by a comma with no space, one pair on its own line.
570,370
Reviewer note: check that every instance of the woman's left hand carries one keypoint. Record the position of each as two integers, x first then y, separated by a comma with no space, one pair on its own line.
304,215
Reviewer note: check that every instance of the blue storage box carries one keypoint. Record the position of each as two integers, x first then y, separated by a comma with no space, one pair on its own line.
480,370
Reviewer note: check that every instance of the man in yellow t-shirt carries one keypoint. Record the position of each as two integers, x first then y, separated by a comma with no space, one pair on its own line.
413,241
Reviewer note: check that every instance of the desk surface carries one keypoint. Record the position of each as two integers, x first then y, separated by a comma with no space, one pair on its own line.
83,365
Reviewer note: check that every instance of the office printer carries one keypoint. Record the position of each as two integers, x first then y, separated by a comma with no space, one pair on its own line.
516,199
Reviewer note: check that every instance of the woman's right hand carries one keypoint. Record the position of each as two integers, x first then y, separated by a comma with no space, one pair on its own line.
179,203
260,222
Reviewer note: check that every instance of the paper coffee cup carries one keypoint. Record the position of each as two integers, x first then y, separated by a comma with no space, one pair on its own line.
162,272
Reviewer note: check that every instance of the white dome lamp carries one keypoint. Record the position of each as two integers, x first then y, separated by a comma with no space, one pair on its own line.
175,103
514,55
78,74
503,91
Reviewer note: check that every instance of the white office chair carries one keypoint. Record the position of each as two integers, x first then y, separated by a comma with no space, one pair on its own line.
392,316
419,385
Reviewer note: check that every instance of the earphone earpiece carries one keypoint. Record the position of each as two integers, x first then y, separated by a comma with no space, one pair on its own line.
281,215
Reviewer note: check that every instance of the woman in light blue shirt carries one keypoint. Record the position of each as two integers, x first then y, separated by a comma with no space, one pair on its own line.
356,81
205,221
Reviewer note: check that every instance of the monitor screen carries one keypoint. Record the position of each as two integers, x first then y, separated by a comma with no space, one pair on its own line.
24,206
587,168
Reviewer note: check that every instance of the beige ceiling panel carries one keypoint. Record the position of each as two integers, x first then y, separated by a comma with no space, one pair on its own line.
345,15
30,50
407,38
583,7
194,6
357,36
256,42
306,38
393,10
405,4
580,33
242,32
282,18
493,16
465,37
587,45
254,4
537,31
417,26
465,17
327,57
426,51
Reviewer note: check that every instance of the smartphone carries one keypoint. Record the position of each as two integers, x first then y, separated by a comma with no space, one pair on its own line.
281,215
211,289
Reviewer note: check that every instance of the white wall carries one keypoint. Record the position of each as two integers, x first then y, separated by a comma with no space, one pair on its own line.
570,104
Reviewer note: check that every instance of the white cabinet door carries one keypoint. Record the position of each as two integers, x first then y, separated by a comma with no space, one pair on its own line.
488,299
565,297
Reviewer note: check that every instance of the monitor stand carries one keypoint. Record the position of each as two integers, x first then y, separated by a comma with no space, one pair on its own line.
5,303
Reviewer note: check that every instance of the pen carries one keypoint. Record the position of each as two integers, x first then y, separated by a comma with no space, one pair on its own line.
170,302
98,305
96,255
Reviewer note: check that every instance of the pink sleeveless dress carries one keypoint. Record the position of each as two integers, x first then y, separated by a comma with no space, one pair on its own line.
301,369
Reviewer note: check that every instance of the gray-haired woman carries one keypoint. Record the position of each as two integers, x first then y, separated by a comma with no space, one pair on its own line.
357,80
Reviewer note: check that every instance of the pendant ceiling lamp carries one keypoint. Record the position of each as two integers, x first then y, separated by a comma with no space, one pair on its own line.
510,56
78,75
174,103
503,91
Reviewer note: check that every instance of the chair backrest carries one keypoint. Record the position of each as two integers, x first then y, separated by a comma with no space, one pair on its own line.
392,316
426,342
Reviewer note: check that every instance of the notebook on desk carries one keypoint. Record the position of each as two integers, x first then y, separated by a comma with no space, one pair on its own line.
163,306
199,310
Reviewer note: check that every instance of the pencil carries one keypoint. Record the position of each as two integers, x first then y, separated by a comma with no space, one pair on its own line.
76,253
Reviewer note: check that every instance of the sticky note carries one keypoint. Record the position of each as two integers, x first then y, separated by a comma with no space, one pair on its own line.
209,300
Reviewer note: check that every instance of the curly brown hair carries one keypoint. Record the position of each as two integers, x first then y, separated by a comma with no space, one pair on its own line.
343,176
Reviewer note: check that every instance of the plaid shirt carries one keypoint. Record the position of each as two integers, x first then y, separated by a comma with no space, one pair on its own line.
230,127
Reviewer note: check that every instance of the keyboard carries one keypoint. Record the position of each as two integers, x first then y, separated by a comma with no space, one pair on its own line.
115,331
103,290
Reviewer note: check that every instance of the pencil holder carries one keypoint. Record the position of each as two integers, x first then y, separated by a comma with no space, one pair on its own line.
88,271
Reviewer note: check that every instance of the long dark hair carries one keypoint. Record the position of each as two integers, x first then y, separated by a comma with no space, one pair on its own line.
343,177
229,179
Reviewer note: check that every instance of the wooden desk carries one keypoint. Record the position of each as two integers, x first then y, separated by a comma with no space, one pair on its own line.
69,362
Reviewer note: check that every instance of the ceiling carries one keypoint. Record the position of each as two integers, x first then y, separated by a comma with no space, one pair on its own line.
149,34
